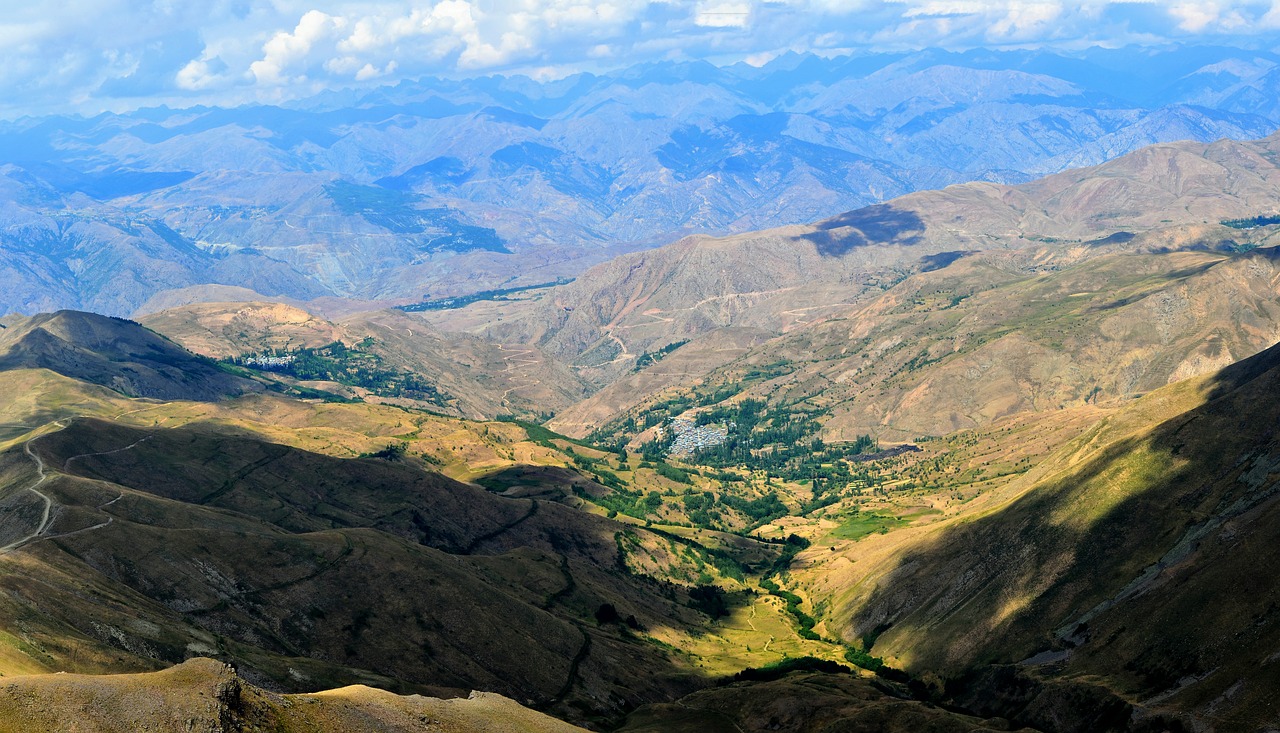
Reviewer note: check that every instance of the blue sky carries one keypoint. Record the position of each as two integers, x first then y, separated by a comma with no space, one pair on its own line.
90,55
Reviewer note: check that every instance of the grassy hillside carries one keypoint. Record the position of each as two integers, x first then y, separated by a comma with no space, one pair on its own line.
320,544
316,545
1051,549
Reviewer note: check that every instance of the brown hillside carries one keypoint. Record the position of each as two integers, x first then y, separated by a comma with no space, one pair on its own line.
1170,195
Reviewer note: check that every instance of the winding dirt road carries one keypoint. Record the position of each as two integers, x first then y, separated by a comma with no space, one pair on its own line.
42,475
35,489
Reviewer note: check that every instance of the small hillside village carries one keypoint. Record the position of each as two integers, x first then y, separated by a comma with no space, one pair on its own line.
267,362
691,437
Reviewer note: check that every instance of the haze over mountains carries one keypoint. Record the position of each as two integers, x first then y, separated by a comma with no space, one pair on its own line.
442,187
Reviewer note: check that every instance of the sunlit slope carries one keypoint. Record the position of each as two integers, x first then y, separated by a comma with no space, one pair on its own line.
985,338
221,330
1141,557
202,694
963,346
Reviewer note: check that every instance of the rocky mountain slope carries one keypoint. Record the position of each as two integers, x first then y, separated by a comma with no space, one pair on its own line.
311,572
1092,587
315,544
312,543
943,272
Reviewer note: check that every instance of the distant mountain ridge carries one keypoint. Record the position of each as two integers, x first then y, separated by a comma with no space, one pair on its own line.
438,187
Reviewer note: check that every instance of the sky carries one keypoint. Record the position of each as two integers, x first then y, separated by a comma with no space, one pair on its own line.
87,56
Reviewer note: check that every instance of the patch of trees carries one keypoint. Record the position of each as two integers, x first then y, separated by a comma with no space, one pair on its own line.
710,600
622,500
860,658
668,471
393,452
607,613
805,621
780,669
1253,221
653,357
355,366
655,450
779,441
791,547
761,511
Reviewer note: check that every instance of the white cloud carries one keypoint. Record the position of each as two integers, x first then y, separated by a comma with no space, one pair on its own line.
1194,17
723,15
196,76
288,50
112,53
1027,20
367,71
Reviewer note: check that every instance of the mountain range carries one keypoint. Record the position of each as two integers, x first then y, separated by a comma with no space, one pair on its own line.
882,319
436,188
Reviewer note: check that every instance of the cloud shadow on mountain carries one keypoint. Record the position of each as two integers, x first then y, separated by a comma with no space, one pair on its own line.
879,224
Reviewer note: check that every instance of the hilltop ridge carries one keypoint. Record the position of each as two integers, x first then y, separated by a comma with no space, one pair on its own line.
114,353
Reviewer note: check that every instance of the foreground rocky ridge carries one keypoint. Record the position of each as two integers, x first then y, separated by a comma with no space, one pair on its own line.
207,696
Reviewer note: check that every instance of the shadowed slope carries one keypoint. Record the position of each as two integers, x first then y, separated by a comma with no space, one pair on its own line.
803,703
1144,559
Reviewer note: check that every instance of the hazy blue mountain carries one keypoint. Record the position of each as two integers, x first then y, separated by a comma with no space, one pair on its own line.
442,186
